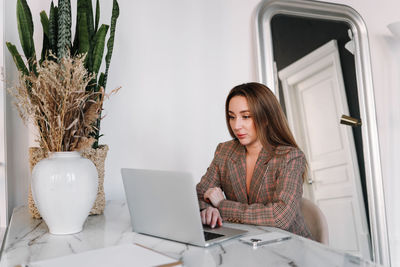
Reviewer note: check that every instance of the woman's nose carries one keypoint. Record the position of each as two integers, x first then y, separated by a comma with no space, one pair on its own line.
237,124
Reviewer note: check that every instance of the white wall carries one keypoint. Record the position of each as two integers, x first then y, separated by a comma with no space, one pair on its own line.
17,170
176,61
3,183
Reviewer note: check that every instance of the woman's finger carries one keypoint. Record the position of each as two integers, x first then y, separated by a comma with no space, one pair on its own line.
203,217
215,216
219,220
208,215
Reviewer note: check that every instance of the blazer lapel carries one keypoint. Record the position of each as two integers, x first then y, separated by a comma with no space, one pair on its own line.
258,175
237,173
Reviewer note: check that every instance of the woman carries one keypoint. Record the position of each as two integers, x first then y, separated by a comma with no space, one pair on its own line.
260,171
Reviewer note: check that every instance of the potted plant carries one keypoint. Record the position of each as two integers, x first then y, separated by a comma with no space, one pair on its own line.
55,99
89,40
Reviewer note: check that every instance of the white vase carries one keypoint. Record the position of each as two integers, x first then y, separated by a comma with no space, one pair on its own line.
64,187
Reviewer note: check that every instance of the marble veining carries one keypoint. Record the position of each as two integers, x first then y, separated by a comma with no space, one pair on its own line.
28,240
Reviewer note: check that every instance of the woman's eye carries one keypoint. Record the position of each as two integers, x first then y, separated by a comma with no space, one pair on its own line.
246,117
231,117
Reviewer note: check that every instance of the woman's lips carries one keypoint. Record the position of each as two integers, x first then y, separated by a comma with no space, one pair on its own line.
241,136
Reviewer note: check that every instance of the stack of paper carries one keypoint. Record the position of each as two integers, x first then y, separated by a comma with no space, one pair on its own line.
122,255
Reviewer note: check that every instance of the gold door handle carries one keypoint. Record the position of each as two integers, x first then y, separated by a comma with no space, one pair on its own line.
347,120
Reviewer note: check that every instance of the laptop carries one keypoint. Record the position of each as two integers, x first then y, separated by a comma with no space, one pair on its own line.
164,204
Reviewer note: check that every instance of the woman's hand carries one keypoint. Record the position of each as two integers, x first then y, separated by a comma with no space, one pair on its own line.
210,216
214,196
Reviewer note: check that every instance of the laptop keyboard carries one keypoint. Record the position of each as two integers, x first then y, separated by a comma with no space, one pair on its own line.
209,235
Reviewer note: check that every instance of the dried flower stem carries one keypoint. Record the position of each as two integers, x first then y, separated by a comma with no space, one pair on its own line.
57,102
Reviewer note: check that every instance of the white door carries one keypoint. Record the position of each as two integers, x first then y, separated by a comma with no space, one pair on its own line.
315,100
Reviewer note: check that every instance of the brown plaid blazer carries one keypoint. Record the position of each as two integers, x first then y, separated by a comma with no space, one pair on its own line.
275,191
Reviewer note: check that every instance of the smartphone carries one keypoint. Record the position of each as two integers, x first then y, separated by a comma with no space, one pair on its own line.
265,238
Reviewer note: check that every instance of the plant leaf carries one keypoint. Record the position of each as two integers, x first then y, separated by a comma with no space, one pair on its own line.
25,31
82,35
17,58
45,22
46,43
110,42
64,28
97,16
101,81
98,51
89,17
45,48
53,28
84,30
103,76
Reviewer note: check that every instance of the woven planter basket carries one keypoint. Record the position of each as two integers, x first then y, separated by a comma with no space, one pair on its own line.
97,156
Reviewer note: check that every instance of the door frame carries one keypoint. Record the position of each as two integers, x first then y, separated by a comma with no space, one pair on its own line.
337,12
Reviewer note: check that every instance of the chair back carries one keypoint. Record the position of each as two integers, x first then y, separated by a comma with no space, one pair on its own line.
315,221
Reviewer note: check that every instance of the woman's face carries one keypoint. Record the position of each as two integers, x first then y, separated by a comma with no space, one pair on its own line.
241,121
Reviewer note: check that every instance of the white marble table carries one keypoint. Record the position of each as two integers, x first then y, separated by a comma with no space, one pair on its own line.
28,240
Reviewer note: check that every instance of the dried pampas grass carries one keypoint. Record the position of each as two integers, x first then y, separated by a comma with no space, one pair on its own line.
58,103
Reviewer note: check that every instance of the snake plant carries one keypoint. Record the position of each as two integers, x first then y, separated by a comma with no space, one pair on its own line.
90,39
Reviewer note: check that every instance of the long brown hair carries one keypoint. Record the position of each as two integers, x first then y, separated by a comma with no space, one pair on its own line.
270,122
